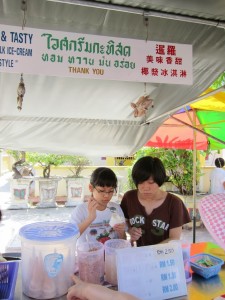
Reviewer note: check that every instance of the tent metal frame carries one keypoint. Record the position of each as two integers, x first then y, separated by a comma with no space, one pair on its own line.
197,129
144,12
169,113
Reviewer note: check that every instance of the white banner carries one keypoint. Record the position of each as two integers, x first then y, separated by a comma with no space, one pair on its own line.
63,54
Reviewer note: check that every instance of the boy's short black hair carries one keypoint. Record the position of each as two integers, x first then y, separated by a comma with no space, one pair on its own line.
104,177
219,162
147,167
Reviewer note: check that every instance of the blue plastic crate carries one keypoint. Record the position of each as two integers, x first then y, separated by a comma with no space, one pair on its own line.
206,272
8,277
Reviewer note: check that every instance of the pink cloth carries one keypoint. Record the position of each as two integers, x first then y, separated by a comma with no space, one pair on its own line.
212,211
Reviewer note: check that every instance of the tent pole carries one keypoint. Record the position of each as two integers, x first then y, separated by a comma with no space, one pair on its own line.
194,176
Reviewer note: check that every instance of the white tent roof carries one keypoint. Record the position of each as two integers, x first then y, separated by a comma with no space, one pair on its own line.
94,117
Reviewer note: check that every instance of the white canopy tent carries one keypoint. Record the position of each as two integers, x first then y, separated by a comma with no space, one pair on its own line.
93,117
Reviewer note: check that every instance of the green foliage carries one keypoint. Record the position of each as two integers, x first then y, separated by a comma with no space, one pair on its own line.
15,154
178,164
46,160
78,163
220,81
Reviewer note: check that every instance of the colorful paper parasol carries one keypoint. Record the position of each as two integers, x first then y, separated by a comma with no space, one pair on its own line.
212,211
200,126
177,131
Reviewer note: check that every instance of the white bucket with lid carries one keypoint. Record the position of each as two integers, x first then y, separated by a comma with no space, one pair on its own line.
48,258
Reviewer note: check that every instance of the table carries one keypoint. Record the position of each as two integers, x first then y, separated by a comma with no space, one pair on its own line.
198,289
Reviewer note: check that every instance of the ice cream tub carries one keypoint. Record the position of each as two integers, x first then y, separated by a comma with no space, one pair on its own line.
47,258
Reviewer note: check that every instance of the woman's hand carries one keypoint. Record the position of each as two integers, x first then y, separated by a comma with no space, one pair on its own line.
77,291
135,233
88,291
120,229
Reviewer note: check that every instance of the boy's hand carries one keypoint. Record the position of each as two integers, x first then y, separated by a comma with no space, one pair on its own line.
92,207
120,229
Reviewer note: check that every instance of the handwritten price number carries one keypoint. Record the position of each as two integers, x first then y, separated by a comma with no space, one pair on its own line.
165,251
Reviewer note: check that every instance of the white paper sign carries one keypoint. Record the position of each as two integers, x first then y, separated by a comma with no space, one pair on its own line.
152,272
77,55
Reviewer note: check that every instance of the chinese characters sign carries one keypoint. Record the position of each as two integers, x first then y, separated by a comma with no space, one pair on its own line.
63,54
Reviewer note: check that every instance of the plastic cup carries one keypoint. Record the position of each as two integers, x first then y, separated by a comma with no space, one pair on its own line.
91,262
110,258
186,259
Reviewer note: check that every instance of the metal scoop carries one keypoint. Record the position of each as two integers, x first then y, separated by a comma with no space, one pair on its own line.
112,209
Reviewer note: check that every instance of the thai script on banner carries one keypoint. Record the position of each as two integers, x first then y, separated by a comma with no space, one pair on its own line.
63,54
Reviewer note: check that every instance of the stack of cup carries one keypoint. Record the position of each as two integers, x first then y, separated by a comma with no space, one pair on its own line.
186,259
110,258
91,262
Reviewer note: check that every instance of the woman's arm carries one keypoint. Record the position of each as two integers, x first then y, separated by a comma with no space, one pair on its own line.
87,291
174,234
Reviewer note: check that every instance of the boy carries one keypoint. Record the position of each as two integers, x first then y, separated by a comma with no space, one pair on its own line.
94,216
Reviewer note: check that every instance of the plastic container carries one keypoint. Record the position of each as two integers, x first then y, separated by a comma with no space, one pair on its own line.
91,262
205,271
8,277
110,258
186,247
48,258
186,258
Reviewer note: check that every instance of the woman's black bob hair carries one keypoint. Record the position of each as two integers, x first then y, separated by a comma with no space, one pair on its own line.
147,167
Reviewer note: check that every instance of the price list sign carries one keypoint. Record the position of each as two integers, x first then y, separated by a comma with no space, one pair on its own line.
152,272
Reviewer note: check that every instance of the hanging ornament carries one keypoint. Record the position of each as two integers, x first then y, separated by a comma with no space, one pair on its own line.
20,92
142,105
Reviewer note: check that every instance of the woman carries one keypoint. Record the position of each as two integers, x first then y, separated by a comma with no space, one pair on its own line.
153,215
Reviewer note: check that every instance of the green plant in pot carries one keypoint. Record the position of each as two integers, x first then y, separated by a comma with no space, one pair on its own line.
45,160
76,164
